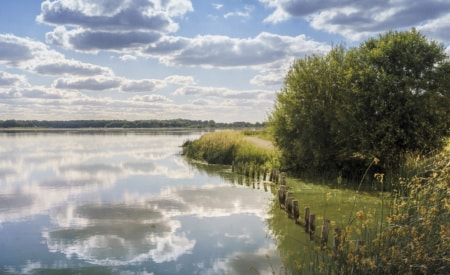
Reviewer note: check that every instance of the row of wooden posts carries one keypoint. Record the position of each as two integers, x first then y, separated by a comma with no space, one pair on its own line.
254,171
291,206
288,202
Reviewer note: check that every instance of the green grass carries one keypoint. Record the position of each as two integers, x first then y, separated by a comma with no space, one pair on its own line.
228,147
261,133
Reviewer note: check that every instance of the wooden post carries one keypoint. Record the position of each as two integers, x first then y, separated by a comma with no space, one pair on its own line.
271,175
312,226
288,205
325,230
265,174
247,170
232,166
296,211
307,219
283,178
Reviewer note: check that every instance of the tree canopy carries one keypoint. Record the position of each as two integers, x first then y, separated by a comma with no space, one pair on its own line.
385,98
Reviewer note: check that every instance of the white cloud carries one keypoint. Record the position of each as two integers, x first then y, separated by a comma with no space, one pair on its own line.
151,98
225,52
113,15
145,85
36,57
359,19
7,79
437,28
110,25
127,57
96,83
180,80
217,6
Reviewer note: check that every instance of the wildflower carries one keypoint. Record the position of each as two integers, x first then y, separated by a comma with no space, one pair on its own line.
360,215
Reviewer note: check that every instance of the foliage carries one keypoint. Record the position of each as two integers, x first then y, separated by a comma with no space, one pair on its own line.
385,98
226,147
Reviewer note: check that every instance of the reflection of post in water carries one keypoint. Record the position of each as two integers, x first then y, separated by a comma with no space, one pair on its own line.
282,196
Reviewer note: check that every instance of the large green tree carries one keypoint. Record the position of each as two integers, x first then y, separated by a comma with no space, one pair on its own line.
382,99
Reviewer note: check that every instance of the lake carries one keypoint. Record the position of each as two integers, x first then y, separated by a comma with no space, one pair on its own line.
126,202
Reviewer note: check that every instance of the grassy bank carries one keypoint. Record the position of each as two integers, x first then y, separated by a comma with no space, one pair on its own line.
227,147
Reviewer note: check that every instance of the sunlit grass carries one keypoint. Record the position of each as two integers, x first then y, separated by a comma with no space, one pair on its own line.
226,147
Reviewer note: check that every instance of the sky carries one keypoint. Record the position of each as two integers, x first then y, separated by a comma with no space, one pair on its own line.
221,60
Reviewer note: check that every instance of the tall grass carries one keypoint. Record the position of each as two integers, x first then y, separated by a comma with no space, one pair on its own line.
407,232
226,147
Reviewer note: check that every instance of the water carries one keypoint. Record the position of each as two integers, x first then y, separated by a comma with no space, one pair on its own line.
126,202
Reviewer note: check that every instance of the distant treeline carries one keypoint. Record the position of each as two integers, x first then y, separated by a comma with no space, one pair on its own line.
171,123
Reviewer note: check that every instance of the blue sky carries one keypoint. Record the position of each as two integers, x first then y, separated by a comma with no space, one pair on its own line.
165,59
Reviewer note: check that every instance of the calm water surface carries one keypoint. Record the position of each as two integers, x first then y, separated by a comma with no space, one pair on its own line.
126,203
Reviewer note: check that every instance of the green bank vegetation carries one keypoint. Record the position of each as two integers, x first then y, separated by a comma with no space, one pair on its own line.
228,147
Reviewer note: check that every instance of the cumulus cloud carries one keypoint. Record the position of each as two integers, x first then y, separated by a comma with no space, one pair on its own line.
7,79
98,83
221,92
225,52
110,25
151,98
127,57
71,67
244,14
109,15
180,80
36,57
358,19
94,41
145,85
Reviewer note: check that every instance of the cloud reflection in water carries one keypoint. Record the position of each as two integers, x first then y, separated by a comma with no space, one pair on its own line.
130,200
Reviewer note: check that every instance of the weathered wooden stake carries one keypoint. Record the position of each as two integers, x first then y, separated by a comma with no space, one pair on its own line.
283,178
265,174
296,211
312,226
306,219
325,230
282,196
247,170
288,205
